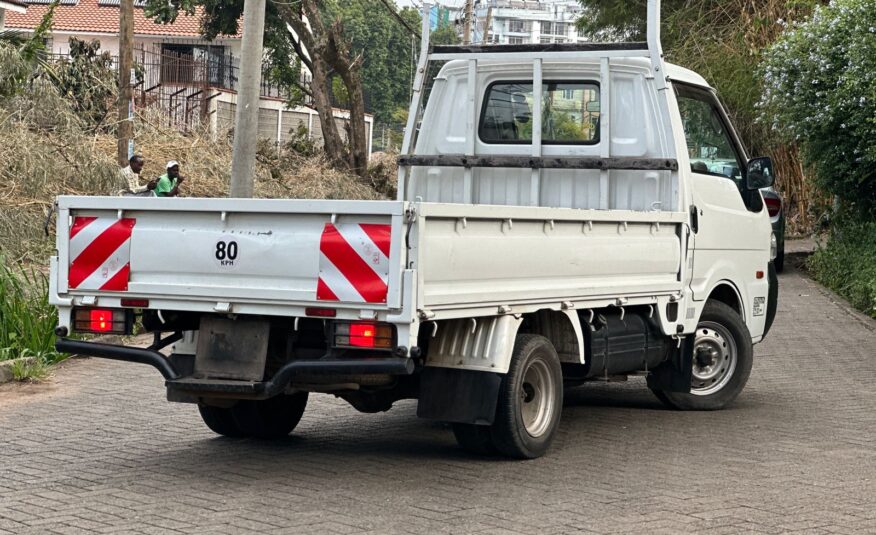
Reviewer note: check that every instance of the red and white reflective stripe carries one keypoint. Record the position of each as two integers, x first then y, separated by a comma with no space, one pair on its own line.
353,263
100,253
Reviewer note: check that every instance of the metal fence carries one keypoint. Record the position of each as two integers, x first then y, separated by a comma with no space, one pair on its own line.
183,85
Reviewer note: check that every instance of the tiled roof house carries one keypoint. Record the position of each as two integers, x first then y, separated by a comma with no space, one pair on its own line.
99,19
191,78
14,6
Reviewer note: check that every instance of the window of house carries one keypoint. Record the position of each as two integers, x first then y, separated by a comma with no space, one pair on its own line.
560,28
187,63
516,26
515,40
545,27
570,113
545,40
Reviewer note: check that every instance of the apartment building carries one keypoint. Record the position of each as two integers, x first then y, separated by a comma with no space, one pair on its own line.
528,21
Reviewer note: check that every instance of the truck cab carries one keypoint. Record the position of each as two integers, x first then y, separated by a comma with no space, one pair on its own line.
565,214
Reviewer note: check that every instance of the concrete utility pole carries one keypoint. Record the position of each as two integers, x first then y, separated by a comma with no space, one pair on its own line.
246,118
126,63
466,29
487,26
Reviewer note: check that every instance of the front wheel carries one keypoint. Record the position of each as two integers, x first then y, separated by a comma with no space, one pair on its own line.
723,355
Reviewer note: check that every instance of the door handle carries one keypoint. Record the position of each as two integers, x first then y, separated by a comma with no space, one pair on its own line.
694,218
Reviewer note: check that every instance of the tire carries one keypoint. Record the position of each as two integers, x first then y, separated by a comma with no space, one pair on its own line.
270,418
723,355
476,439
220,420
530,399
779,262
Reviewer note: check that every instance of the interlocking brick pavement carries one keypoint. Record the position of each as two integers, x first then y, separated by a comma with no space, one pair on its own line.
100,451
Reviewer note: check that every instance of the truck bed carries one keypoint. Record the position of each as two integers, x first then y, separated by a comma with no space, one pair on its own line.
388,258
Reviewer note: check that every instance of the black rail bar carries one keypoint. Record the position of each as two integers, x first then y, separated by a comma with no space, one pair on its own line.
276,385
114,352
549,162
540,47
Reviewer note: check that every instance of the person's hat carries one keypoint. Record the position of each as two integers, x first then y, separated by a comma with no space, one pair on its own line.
172,163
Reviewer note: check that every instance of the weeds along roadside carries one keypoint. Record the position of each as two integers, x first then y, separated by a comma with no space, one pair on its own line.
27,320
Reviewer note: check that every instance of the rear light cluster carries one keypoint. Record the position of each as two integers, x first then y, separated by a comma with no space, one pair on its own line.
369,335
103,321
774,206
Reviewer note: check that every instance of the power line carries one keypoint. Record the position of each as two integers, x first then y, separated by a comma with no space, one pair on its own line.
399,18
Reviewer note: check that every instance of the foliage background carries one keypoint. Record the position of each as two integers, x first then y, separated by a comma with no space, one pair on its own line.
820,92
724,40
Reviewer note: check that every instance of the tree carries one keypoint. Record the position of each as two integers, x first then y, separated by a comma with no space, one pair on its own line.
722,40
386,49
820,91
318,40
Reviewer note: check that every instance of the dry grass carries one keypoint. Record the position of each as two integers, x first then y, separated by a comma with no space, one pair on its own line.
45,152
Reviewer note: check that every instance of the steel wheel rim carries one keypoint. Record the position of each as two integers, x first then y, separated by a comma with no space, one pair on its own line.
537,398
714,360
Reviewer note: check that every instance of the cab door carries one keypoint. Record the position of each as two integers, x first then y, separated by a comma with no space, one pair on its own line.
731,228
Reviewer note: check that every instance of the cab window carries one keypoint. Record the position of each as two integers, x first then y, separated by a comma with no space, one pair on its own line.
709,144
570,113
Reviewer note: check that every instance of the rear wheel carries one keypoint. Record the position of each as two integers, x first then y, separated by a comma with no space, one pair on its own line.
779,262
220,420
266,418
270,418
722,360
530,399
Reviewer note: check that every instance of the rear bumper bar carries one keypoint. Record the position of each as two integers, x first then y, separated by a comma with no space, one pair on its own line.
276,385
114,352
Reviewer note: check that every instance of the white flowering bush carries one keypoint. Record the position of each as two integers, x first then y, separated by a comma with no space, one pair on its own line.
820,91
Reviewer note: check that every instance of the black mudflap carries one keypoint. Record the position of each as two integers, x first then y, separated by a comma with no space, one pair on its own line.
675,374
232,349
459,396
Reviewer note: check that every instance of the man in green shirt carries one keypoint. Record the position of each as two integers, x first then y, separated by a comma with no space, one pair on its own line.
169,183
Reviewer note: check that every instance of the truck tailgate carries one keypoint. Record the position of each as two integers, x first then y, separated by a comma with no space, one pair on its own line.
246,250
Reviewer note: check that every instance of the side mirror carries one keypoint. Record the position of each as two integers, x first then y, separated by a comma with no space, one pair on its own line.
760,173
520,108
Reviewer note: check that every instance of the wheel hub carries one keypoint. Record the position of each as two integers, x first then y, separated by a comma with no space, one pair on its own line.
537,397
714,359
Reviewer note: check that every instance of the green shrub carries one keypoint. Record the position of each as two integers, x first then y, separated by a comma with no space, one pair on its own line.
27,320
820,90
847,264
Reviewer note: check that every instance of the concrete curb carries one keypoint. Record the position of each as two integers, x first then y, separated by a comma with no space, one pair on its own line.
7,365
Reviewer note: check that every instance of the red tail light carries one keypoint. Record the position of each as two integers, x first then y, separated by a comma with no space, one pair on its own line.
321,312
102,321
774,206
368,335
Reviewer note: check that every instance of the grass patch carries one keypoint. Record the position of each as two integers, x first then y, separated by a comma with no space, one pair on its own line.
27,320
34,370
847,264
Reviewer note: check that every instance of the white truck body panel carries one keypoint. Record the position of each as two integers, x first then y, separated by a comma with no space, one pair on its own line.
471,242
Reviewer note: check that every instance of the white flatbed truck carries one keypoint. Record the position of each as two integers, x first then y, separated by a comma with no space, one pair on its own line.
559,220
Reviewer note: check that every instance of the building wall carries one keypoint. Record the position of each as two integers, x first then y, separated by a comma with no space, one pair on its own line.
277,123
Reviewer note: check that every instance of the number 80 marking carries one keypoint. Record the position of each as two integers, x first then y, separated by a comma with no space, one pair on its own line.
226,251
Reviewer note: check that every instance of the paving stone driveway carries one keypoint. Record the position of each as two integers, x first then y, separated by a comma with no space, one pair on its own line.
100,451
